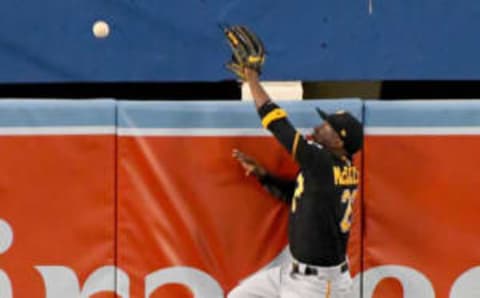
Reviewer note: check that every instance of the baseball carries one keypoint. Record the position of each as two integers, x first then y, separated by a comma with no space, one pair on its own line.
100,29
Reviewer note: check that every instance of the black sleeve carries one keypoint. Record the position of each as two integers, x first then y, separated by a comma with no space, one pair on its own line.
307,154
280,188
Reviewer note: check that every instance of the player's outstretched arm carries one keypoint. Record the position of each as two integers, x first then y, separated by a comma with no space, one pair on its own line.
274,118
260,96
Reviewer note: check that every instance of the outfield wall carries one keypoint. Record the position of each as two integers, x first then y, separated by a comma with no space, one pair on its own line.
144,199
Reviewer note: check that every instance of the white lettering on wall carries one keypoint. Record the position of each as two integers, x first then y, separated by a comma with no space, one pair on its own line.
62,282
6,240
467,285
6,236
200,283
413,282
5,286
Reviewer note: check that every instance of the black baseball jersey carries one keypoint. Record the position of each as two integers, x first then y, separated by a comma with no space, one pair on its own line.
321,198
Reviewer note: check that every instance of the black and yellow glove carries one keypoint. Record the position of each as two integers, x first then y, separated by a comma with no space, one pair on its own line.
247,50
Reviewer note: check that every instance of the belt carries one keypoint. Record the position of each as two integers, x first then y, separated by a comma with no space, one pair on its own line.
317,270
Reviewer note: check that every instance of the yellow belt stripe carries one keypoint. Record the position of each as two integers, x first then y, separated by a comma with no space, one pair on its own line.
295,144
272,116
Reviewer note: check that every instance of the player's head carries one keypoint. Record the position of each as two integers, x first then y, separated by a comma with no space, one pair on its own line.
339,130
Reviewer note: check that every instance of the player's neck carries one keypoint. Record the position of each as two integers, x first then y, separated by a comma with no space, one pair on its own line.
340,153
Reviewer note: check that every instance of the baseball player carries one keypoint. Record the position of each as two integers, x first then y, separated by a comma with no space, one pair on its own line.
320,199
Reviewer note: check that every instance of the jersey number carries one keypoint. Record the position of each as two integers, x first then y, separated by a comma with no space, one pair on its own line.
348,197
298,192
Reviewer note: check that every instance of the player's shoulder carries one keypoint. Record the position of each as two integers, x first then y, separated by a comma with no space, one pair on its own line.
320,153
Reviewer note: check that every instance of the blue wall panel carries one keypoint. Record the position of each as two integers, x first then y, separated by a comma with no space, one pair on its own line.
51,41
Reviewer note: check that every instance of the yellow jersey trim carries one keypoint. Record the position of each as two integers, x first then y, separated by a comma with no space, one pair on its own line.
295,144
274,115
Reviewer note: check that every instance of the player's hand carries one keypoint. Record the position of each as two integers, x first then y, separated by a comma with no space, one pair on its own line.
250,165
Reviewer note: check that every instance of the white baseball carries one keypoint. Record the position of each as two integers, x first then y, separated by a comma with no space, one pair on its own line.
100,29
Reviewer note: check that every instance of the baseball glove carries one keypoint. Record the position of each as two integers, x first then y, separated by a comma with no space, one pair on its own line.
247,50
